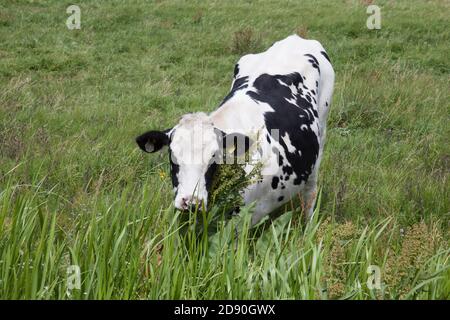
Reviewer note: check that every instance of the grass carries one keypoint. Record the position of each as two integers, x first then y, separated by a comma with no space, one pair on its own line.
75,190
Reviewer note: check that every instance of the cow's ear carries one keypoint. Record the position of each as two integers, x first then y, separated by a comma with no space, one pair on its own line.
153,141
236,143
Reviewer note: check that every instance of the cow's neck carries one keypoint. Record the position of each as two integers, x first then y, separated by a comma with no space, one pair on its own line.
240,114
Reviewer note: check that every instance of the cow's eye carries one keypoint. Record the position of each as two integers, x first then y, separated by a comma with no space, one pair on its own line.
212,159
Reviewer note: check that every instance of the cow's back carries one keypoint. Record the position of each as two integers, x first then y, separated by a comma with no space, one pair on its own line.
281,58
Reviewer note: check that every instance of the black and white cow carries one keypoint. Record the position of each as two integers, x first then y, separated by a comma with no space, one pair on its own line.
278,102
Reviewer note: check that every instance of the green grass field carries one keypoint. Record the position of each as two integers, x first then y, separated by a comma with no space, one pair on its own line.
76,190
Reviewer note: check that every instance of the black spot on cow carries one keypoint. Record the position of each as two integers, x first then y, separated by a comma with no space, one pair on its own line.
288,117
325,55
238,84
280,198
287,170
236,70
209,175
174,172
275,181
313,61
312,57
280,159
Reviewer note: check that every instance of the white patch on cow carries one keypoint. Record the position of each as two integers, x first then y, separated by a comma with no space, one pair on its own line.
315,128
288,143
310,112
294,89
282,83
291,101
269,159
249,120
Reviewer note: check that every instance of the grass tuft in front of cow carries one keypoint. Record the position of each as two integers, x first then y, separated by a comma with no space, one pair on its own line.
228,182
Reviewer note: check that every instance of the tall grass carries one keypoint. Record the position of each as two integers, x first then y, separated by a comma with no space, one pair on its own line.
130,248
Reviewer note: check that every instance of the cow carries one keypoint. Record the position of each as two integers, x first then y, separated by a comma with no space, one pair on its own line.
283,94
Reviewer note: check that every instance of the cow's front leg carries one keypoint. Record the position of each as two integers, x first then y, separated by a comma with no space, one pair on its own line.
261,210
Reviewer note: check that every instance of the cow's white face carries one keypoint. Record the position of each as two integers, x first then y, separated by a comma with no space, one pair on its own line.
194,145
195,149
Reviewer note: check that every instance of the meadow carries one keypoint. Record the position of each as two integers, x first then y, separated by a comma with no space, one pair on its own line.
84,214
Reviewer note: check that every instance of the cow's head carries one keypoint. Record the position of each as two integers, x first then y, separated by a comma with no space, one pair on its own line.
196,148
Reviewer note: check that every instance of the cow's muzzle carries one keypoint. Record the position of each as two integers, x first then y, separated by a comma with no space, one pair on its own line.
191,204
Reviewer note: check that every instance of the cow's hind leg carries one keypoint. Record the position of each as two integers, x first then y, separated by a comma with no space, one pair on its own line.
308,197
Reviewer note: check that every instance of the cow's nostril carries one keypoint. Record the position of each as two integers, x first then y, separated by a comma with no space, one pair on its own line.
184,203
191,204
